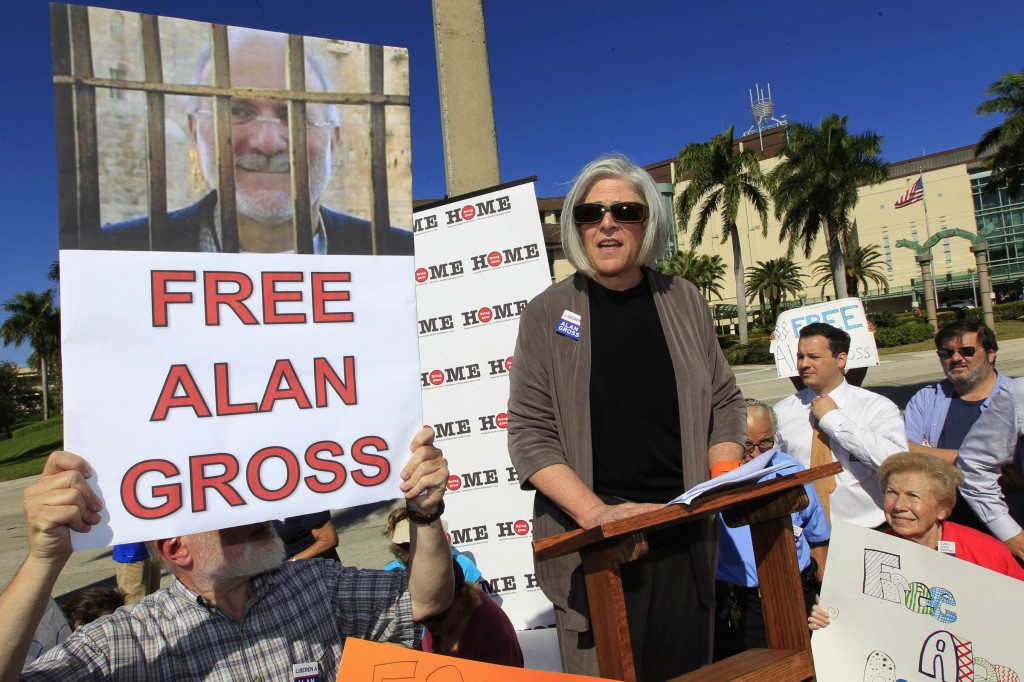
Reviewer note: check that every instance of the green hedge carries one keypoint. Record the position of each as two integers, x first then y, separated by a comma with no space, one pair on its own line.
754,353
910,332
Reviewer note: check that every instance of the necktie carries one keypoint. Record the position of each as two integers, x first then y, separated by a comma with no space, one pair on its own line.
822,454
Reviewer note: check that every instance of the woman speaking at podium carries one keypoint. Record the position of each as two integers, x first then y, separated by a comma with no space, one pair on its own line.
620,400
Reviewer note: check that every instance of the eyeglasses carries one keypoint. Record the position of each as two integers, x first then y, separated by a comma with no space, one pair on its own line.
761,446
623,212
964,351
244,114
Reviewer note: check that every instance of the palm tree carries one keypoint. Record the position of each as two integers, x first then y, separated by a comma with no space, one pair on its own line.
774,280
34,318
703,271
1007,138
864,264
722,177
815,186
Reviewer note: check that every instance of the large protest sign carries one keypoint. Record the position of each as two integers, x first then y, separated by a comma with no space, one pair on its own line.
364,661
846,314
900,611
480,259
212,376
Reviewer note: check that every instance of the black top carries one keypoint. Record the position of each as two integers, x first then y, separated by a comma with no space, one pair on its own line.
959,420
634,410
296,533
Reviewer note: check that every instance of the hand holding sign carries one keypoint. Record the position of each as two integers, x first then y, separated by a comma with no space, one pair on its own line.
60,500
425,474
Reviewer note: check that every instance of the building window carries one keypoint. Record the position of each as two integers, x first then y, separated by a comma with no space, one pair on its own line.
117,26
888,252
117,75
947,249
995,210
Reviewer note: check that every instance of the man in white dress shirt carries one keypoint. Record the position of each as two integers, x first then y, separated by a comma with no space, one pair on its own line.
830,420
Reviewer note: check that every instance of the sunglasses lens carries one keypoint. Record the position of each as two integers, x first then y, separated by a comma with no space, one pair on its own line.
587,213
629,212
965,352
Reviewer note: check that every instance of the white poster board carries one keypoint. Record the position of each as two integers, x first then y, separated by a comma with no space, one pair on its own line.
213,390
479,261
963,621
846,313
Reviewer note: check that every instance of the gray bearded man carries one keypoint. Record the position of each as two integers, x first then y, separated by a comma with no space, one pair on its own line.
260,144
234,611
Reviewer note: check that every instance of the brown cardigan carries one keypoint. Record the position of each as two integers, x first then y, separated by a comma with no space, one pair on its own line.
549,414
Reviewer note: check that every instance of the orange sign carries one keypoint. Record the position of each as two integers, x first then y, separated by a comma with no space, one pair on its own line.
364,661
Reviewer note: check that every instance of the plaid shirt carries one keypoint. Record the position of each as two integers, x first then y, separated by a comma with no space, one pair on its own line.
299,613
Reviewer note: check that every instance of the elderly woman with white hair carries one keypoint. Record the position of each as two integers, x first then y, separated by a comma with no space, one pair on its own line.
919,494
620,400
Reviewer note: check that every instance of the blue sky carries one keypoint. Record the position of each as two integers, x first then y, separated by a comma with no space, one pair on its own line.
576,78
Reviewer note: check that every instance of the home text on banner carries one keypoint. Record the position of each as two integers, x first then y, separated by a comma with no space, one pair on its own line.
900,611
846,314
479,260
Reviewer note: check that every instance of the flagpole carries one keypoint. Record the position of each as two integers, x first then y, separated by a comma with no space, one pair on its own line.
928,234
924,200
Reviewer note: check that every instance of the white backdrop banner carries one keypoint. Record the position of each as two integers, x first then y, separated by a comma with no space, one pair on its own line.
903,612
479,261
846,314
213,390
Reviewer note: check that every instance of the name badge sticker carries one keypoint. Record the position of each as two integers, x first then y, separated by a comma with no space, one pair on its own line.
947,547
569,325
306,672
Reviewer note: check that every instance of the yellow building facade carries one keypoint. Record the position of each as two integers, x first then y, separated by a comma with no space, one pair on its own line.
950,201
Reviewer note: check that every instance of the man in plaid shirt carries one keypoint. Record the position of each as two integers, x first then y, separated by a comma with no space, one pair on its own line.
236,611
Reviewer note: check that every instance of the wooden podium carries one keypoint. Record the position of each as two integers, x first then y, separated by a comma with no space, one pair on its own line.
766,507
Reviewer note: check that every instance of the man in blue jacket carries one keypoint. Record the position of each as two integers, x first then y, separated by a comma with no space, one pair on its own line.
739,621
939,416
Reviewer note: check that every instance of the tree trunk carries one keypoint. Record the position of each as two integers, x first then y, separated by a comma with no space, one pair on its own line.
46,388
836,261
741,290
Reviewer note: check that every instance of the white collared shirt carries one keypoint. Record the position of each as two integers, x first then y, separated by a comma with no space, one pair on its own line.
864,430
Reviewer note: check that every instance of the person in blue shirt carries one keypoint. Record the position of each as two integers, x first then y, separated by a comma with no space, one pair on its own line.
939,416
739,621
398,532
137,575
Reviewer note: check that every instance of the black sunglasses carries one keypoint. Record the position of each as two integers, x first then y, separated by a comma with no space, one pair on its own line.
623,212
964,351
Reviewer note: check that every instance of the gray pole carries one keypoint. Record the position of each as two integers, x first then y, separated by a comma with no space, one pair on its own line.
467,108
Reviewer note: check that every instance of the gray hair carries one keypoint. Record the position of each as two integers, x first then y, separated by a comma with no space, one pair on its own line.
754,404
656,231
236,35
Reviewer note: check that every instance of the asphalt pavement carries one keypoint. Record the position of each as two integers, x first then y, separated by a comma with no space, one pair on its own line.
360,529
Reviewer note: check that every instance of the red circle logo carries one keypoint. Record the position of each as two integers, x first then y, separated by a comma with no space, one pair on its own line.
437,377
508,364
468,212
454,483
521,527
485,314
502,420
421,275
494,259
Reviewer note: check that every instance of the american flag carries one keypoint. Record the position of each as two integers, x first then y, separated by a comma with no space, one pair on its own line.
912,195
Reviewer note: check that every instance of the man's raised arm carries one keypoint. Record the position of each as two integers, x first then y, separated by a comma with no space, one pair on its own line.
59,501
431,580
